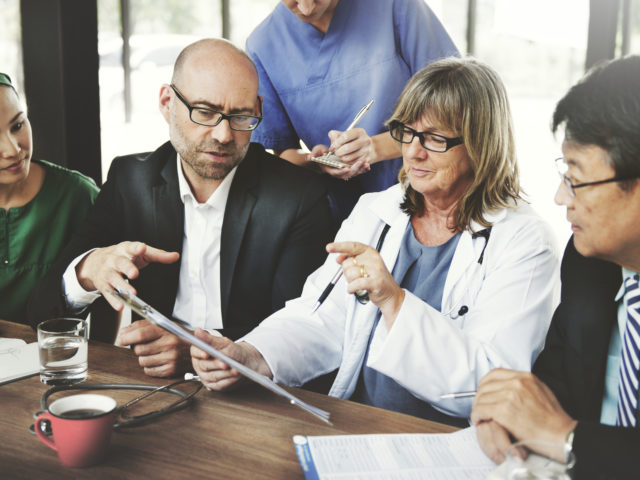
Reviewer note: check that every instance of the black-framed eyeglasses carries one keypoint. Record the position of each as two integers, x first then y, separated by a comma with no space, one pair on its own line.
210,118
431,141
571,187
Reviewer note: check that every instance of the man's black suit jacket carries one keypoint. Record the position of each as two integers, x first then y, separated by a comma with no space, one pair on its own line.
275,228
573,365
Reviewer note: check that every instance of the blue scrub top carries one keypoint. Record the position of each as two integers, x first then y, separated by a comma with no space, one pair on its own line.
313,82
422,270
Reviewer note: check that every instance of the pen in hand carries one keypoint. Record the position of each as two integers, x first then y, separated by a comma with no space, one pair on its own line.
458,395
361,295
332,160
327,290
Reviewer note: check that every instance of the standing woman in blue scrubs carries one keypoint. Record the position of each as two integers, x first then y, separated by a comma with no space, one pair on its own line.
320,61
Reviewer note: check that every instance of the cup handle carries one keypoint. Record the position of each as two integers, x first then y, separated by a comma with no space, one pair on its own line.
44,438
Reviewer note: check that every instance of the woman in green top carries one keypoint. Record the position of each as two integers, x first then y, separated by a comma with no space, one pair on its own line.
41,204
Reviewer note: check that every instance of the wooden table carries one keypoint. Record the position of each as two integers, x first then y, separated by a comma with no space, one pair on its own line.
242,434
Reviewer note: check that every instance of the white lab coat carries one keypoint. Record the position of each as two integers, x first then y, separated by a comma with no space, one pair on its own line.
510,299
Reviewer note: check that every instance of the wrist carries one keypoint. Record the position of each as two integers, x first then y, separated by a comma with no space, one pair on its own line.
391,308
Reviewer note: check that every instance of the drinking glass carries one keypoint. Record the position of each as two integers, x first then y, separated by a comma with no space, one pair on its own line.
62,345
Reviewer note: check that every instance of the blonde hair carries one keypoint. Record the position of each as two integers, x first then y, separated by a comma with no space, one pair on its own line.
467,97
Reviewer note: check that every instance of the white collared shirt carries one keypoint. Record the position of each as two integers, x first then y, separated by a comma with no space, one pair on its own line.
198,300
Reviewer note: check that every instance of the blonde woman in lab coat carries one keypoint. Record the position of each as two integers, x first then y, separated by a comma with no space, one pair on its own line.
463,279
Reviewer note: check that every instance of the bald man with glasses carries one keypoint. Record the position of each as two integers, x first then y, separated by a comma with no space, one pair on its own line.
210,229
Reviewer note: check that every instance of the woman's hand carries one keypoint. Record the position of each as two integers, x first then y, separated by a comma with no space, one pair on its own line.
364,270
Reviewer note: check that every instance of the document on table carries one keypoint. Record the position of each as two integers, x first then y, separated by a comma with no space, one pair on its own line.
17,359
440,456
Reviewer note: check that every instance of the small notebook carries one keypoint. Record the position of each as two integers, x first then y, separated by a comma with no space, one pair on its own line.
18,359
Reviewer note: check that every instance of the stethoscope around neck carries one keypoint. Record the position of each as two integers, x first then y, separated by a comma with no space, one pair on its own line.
462,310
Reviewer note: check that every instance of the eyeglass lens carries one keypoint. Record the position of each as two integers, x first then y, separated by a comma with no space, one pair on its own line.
212,118
430,141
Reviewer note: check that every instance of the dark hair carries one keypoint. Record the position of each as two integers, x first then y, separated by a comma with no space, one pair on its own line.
603,109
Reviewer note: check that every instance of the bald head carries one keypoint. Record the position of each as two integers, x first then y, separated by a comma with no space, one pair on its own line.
212,52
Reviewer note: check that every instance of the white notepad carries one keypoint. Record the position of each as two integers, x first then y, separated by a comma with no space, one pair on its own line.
18,359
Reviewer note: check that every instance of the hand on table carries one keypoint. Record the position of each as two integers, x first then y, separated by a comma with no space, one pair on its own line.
521,405
159,352
106,269
217,375
364,269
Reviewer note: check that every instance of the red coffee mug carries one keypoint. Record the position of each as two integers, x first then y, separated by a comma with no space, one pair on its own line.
81,428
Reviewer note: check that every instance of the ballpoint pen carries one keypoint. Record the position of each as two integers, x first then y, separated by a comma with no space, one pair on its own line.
327,290
361,295
329,158
458,395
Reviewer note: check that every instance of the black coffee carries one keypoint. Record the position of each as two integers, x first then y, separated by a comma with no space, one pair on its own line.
82,413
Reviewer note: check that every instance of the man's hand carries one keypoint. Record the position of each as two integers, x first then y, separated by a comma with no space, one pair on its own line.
106,269
217,375
524,406
494,440
159,352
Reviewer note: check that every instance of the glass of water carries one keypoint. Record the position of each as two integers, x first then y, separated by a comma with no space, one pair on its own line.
62,344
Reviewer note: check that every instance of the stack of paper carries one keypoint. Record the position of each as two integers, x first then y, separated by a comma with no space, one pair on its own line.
393,456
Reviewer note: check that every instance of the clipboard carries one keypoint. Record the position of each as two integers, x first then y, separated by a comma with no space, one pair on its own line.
147,311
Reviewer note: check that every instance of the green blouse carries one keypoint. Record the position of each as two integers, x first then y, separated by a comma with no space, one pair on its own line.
31,236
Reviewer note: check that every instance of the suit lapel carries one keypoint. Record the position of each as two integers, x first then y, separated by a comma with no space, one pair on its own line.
240,204
168,209
168,221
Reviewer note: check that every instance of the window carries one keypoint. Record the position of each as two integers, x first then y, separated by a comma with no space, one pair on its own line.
10,43
539,50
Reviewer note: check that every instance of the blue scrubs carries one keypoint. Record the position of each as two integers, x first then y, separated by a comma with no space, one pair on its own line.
314,82
422,270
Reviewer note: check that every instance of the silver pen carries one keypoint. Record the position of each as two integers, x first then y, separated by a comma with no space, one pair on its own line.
332,160
458,395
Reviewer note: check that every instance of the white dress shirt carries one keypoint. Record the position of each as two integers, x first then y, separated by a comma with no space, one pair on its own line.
198,299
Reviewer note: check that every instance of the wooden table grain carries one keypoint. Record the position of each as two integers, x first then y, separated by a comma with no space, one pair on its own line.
242,434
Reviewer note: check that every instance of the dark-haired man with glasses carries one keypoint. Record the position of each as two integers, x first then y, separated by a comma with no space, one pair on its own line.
210,229
584,391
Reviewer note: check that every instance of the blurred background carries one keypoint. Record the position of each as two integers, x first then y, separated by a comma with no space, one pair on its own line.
93,97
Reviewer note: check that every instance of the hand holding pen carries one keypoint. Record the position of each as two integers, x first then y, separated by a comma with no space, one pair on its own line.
349,152
363,296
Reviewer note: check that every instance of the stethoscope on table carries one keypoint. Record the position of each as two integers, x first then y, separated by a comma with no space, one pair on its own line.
363,296
126,420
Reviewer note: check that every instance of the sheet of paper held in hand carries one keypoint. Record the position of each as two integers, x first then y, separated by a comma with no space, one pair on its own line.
432,456
147,311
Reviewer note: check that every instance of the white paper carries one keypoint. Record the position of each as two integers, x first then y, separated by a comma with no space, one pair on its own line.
18,359
399,456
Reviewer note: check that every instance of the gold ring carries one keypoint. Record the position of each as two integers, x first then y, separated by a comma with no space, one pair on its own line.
363,272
